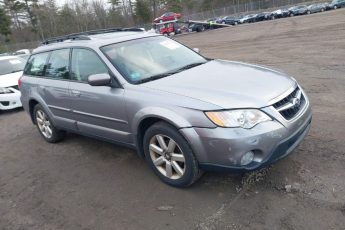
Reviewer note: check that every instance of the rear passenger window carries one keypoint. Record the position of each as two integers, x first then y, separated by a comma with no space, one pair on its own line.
58,64
36,65
85,63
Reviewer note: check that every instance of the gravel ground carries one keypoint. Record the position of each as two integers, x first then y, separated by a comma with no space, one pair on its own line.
87,184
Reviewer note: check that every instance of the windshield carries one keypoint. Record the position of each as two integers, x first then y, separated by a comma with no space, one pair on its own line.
11,65
150,58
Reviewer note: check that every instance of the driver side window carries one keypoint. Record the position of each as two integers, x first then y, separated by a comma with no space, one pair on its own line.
85,63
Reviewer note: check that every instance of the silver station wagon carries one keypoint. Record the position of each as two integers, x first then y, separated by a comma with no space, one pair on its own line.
182,112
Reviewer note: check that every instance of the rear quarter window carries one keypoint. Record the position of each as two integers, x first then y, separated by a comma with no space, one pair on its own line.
36,65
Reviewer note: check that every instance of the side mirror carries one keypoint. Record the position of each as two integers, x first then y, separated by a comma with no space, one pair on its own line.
196,50
102,79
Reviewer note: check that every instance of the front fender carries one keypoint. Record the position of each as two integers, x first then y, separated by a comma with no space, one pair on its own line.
158,112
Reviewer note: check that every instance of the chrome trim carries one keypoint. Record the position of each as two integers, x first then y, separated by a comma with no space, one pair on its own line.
284,95
87,114
297,100
83,125
99,116
59,108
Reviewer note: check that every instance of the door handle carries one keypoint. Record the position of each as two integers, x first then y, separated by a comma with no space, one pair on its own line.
75,92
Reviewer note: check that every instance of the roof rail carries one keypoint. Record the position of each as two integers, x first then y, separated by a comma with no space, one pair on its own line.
84,35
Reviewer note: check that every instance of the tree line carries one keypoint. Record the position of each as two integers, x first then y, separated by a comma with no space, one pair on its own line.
33,20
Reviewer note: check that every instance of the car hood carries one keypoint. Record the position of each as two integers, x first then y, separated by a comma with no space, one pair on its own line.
11,79
227,84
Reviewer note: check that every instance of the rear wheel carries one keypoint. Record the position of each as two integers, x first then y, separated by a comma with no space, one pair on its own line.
170,156
46,127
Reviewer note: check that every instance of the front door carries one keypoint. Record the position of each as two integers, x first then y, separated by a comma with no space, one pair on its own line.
98,110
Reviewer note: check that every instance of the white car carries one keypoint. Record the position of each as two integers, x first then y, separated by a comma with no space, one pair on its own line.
11,69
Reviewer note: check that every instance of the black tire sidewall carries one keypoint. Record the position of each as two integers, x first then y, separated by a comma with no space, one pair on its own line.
191,171
56,134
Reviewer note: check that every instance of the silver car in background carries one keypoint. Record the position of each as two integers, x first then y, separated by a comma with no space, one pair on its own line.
182,112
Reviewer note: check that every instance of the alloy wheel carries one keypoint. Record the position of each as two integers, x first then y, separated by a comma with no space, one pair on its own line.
167,156
44,124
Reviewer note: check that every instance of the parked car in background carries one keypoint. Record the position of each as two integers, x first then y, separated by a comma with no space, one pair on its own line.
11,69
169,16
280,13
262,16
315,8
230,20
248,18
182,112
335,4
298,10
196,27
215,20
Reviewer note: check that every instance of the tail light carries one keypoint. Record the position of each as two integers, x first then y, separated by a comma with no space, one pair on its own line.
20,82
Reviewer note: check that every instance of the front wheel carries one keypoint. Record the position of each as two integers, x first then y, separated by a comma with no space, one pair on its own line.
308,12
46,127
291,15
170,156
335,7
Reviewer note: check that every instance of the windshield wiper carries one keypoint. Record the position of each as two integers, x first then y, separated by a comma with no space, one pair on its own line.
189,66
158,76
154,77
15,71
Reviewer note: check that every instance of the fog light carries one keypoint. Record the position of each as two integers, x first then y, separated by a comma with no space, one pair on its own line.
247,158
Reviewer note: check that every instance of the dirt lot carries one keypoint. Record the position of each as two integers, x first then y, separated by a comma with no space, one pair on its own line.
86,184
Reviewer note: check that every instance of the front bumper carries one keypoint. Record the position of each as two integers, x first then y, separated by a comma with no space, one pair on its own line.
221,149
10,100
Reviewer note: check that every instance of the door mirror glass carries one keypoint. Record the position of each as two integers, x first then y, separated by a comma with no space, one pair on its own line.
196,50
102,79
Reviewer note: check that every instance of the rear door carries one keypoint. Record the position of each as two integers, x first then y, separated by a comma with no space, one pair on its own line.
53,85
98,110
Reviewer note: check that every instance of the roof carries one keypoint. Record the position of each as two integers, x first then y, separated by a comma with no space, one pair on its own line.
95,41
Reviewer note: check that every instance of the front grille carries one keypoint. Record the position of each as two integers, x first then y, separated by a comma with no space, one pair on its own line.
5,103
291,105
15,87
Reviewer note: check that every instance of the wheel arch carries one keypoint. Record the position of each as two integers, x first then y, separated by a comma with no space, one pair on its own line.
142,121
33,101
32,104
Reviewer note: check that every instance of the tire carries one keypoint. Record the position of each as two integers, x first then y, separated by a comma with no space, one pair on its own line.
235,24
43,123
165,165
273,17
291,15
308,12
322,10
335,7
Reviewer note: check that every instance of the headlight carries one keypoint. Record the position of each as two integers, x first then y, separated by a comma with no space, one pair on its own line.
244,118
4,90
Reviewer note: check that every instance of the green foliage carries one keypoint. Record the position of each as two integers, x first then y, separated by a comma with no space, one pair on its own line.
5,23
143,11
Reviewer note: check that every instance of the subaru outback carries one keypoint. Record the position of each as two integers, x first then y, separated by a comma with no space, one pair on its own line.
182,112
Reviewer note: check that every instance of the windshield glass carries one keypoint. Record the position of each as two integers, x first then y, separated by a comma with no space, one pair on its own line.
144,59
11,65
